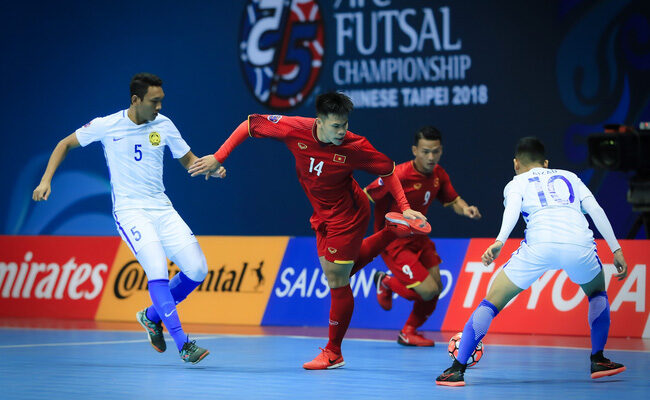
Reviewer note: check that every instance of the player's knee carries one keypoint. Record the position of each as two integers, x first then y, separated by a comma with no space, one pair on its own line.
198,271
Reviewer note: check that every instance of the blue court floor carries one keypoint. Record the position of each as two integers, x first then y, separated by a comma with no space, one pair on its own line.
91,364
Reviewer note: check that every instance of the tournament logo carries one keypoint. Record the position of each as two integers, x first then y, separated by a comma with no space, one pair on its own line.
274,118
154,138
281,50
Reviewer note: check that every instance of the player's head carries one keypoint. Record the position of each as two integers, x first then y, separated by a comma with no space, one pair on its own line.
332,112
530,153
427,149
146,96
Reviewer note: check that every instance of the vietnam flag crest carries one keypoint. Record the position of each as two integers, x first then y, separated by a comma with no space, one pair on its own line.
339,158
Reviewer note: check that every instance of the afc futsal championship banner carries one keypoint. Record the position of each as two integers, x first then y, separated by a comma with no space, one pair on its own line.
278,281
382,53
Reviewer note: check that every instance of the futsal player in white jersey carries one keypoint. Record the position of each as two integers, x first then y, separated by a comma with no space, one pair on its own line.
552,202
134,141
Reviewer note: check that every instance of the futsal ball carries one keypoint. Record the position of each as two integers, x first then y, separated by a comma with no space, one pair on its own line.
454,345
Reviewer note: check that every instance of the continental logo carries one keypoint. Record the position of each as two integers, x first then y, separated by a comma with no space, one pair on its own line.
232,279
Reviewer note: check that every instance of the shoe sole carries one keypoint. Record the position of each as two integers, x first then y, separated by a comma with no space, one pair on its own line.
137,315
610,372
451,384
416,230
204,355
333,366
403,343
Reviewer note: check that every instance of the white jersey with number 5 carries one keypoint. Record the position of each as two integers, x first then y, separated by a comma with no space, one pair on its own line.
551,206
134,154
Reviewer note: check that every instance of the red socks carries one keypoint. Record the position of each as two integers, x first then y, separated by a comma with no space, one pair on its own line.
371,247
396,286
422,310
340,315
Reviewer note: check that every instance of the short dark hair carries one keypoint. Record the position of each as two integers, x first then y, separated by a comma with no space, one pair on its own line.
333,103
427,133
140,83
530,150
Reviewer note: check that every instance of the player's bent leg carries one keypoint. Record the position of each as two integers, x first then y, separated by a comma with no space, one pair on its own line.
341,308
599,321
422,310
194,268
501,292
371,247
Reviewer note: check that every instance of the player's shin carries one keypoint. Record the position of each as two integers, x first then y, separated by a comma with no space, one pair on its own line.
475,329
179,286
341,310
598,320
165,306
371,247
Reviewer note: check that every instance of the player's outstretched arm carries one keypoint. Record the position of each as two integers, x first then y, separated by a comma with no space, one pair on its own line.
43,190
212,163
462,208
189,161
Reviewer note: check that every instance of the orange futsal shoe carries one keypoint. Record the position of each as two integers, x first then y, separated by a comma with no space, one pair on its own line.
404,227
327,359
384,294
410,337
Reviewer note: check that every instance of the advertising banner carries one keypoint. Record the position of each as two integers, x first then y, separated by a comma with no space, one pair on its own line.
54,276
554,304
241,272
300,295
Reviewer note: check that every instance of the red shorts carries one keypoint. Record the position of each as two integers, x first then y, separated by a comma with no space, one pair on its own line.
341,245
410,259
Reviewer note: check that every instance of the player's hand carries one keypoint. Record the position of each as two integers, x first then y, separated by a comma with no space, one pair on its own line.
219,173
620,264
472,212
412,214
42,192
491,253
204,165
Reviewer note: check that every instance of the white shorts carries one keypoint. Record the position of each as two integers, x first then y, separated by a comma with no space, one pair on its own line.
141,226
529,262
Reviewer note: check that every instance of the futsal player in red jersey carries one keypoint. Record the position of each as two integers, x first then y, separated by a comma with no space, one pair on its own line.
413,260
326,154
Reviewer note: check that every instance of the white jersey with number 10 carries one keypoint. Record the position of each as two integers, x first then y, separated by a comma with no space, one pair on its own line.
551,206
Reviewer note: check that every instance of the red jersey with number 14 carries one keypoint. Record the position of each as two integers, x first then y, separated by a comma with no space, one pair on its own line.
324,170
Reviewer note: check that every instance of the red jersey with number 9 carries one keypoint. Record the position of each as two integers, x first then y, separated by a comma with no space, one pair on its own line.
324,170
420,190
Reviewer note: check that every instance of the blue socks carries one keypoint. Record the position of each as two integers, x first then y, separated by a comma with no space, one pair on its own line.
165,306
598,321
475,328
179,286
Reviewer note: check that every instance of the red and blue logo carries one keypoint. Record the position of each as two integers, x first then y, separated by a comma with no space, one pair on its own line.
281,50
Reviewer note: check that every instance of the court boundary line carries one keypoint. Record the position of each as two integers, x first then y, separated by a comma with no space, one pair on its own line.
209,337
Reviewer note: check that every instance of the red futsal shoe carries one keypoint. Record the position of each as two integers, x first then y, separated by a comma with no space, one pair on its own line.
327,359
404,227
384,293
410,337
